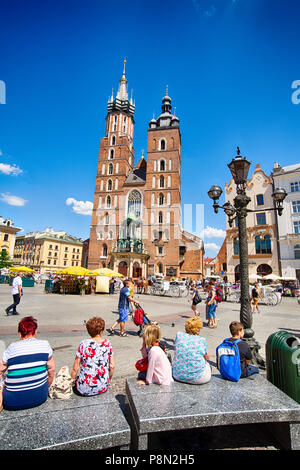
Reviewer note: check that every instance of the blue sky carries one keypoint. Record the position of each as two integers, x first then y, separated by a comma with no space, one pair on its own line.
229,66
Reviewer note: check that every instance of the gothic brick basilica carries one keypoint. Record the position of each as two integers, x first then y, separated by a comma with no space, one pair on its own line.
136,223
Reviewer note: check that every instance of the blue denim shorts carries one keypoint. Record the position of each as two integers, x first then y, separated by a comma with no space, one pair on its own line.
212,311
123,314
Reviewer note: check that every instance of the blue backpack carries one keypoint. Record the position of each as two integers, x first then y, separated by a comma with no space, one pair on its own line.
228,360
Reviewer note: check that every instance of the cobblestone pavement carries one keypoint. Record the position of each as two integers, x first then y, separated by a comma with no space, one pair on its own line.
61,321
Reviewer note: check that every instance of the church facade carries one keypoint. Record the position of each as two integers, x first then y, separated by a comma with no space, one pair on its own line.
136,222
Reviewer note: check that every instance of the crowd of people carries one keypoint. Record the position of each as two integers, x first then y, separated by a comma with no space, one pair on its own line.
28,365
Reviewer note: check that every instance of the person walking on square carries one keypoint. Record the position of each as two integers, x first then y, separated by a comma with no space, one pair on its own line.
17,293
123,308
196,299
212,306
255,296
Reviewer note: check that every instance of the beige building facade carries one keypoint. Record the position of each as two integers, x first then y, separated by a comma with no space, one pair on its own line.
48,251
261,229
8,233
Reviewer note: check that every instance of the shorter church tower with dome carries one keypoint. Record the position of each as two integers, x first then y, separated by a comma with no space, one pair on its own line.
136,223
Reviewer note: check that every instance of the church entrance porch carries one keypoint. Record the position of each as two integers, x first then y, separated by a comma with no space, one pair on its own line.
130,264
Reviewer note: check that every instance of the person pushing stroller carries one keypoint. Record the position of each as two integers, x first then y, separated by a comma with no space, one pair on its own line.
141,319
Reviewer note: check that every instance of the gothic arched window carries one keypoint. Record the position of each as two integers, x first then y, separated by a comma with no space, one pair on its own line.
161,182
110,169
134,203
162,144
161,199
109,185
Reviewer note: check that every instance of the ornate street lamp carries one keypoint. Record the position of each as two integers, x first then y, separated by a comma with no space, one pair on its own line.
239,168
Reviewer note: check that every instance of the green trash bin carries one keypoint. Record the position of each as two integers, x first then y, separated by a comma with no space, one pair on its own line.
283,363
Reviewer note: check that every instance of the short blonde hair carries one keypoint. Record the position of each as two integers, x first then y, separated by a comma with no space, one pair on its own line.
193,325
152,334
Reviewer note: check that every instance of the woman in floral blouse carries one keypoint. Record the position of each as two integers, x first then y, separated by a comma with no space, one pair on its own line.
190,363
94,360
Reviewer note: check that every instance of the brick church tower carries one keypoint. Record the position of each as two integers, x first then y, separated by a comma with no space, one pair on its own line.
136,222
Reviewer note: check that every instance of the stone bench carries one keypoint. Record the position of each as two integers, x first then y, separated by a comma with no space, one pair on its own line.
156,408
80,423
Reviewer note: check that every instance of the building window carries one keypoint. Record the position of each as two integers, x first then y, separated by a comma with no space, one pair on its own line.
65,263
111,154
113,140
260,199
109,185
160,218
161,200
104,252
134,203
162,144
162,165
263,245
236,246
295,187
6,237
160,268
261,218
160,250
161,182
297,251
108,202
296,206
110,169
297,226
106,219
49,261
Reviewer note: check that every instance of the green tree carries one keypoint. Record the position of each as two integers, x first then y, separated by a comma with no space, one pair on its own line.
5,261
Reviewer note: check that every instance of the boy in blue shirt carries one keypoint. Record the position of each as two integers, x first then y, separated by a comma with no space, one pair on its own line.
123,308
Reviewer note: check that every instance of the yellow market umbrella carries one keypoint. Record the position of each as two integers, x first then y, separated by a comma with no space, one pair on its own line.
108,272
21,269
75,271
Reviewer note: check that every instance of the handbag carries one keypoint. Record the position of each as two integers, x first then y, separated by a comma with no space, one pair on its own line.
197,299
142,364
62,385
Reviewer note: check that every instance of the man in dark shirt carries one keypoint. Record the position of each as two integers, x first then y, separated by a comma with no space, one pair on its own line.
237,332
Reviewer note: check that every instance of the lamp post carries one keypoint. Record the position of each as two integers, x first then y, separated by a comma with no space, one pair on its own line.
239,168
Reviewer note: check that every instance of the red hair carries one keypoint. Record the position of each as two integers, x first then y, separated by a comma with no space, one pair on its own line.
27,326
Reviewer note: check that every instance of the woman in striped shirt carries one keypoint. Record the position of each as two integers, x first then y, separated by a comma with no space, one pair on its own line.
30,369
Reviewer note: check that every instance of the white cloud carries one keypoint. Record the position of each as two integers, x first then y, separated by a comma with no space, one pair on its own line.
80,207
13,200
212,232
9,169
211,246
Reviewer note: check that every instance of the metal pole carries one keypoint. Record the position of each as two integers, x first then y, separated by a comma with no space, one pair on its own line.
240,202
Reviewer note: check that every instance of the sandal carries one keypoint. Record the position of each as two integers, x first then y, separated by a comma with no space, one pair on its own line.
110,331
123,334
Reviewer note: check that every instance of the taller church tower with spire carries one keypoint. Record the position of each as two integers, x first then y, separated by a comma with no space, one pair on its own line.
136,222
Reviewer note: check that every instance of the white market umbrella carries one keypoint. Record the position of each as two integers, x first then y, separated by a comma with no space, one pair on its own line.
272,277
255,276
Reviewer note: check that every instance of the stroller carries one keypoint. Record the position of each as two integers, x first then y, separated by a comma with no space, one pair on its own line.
141,319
